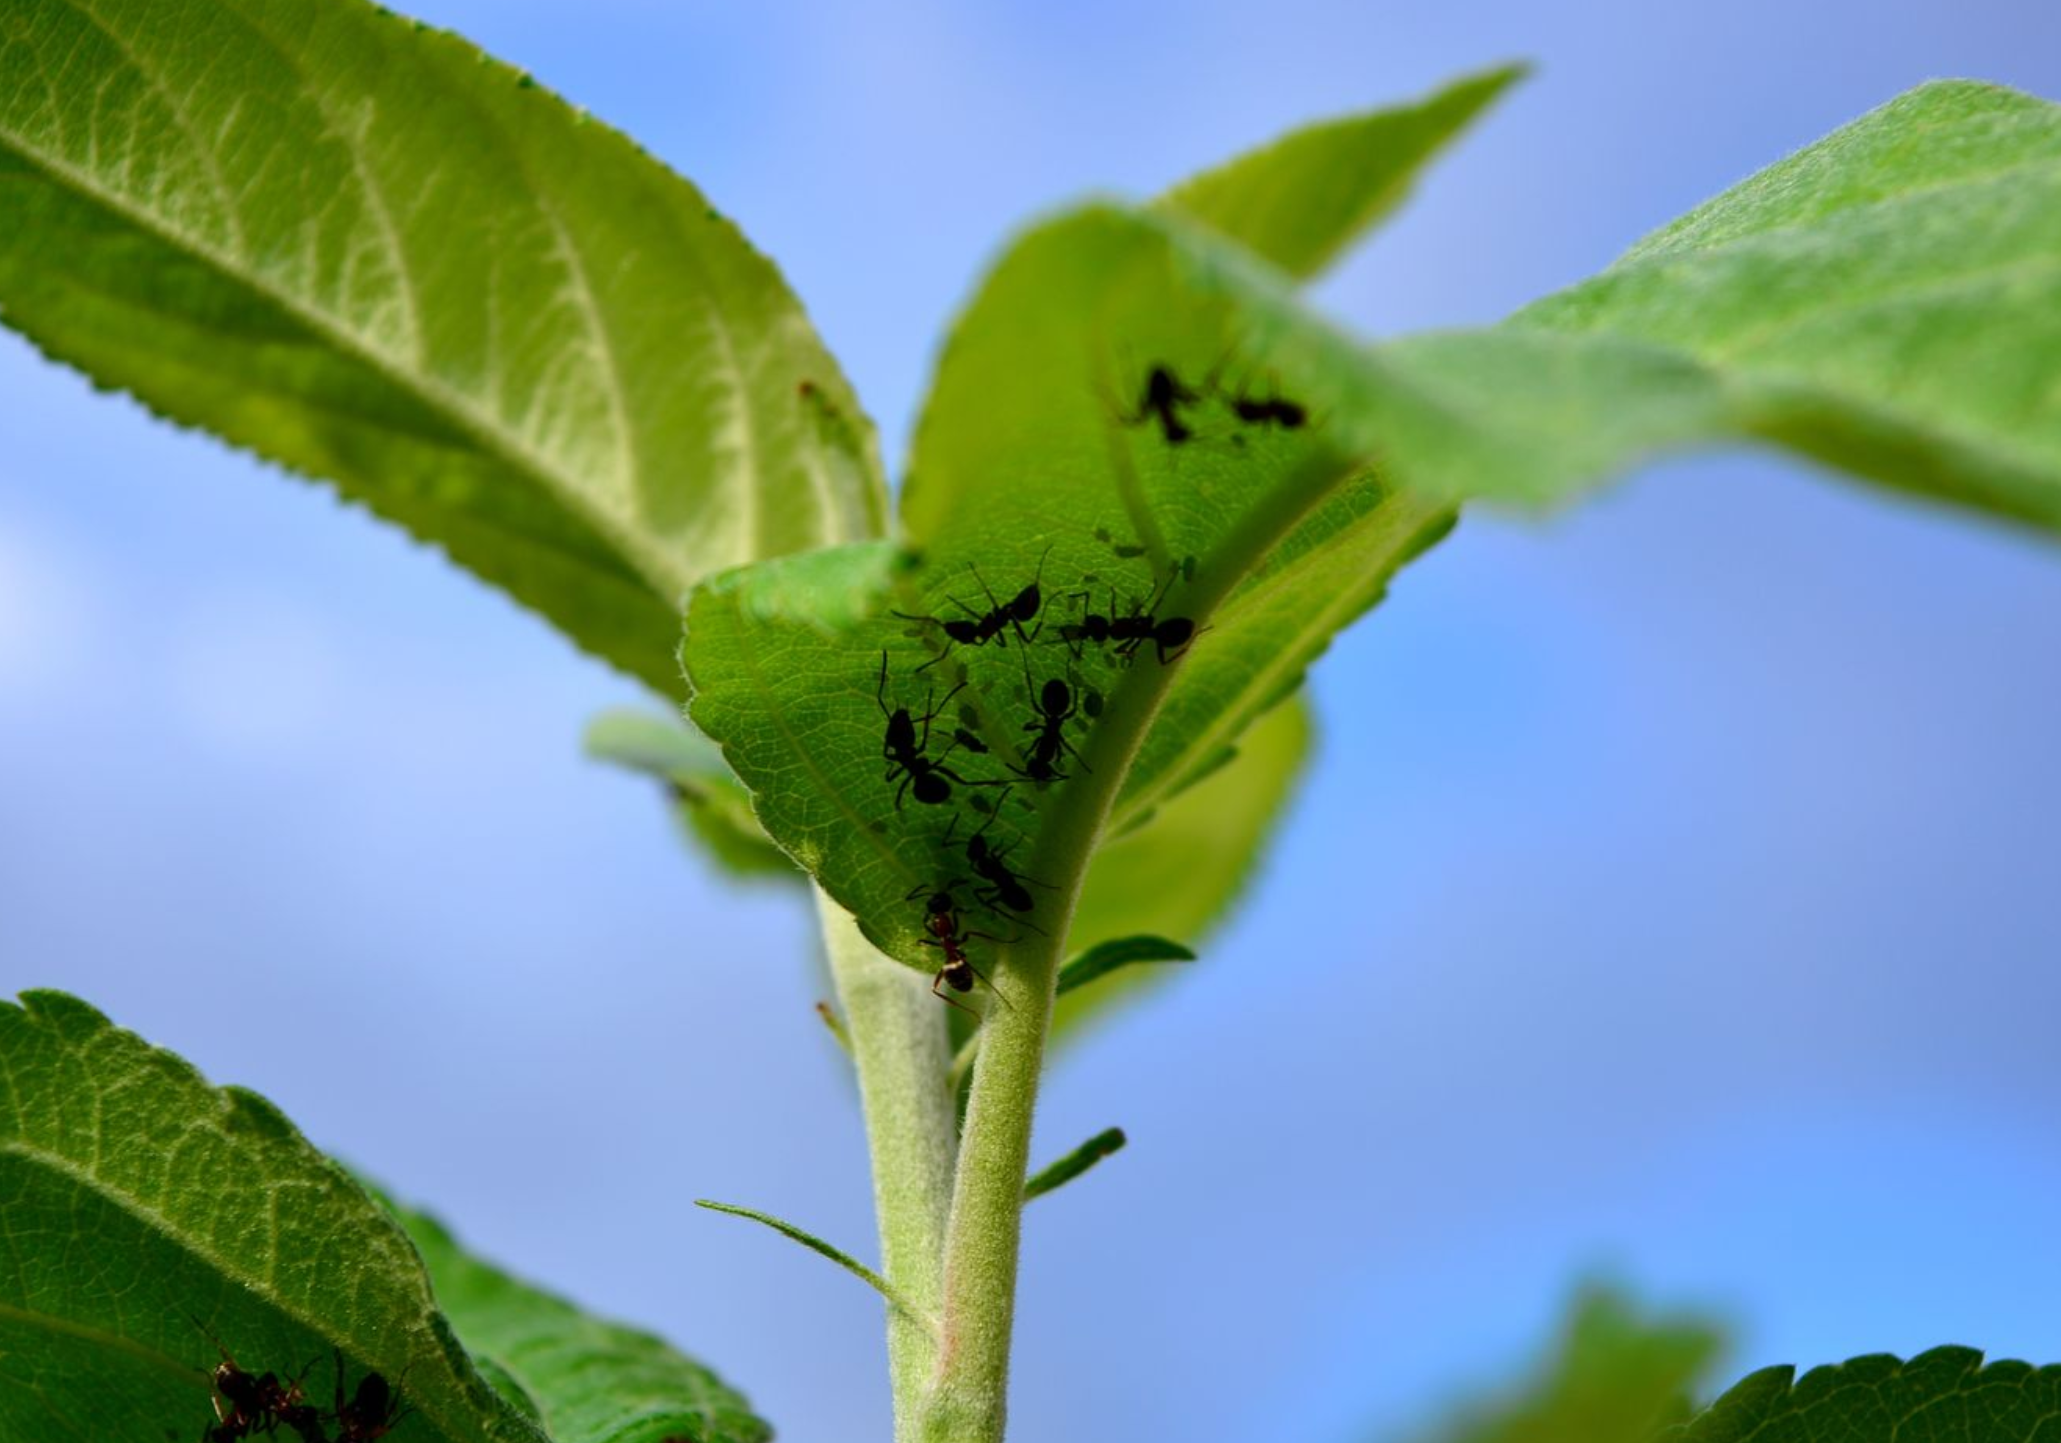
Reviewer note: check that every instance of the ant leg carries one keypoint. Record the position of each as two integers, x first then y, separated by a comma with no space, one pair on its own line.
1074,752
990,986
939,981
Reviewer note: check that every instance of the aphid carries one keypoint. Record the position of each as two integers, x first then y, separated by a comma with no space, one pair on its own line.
965,734
941,921
903,750
1124,550
1161,400
373,1411
979,628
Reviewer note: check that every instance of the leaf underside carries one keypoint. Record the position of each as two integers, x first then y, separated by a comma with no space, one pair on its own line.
1928,358
358,247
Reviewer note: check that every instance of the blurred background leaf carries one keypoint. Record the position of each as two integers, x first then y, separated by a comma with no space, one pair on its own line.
1616,1375
589,1380
710,804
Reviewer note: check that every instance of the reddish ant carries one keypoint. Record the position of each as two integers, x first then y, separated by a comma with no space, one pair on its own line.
941,921
256,1404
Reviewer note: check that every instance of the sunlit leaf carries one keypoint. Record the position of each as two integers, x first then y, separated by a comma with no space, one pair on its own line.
1303,199
354,246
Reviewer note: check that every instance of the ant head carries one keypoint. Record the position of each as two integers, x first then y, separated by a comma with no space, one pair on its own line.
1057,697
940,904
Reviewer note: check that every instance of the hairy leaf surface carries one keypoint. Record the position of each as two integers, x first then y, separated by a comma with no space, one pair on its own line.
150,1218
1946,1394
148,1215
357,247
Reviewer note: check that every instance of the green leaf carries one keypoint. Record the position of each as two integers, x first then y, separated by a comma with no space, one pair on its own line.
1944,1394
1614,1377
1887,301
148,1215
1066,1169
355,246
823,1249
1302,200
1039,460
589,1380
710,803
1106,957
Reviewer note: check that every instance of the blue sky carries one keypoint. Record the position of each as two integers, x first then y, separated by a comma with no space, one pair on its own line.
1672,898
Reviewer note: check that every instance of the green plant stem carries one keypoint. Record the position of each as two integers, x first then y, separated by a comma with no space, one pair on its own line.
969,1402
902,1051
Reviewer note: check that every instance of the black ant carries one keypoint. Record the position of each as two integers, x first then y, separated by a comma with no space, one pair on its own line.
373,1411
941,921
1001,883
1273,410
1055,706
903,750
977,628
1130,631
1162,399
